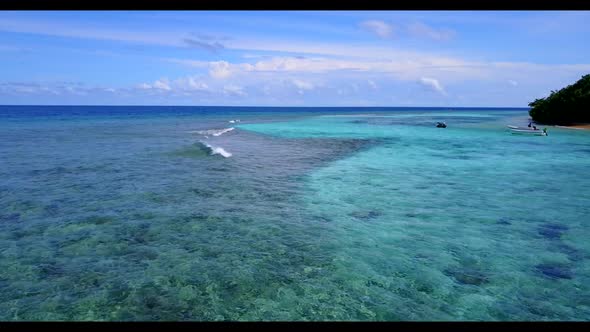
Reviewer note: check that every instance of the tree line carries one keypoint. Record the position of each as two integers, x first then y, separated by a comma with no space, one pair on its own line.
567,106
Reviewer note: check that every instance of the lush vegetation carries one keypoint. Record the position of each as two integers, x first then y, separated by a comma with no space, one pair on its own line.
567,106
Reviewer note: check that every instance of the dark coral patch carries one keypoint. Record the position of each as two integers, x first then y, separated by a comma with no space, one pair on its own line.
374,214
142,254
572,253
203,192
365,215
51,210
119,291
555,271
12,217
552,231
51,270
322,219
467,276
98,220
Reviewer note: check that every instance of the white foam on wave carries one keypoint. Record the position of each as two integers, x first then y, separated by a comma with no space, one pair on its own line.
214,132
405,115
217,150
364,115
223,131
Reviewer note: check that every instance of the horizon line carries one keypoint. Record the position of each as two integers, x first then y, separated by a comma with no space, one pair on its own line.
60,105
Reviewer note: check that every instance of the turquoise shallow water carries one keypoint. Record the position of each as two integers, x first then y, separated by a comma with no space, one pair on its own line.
315,214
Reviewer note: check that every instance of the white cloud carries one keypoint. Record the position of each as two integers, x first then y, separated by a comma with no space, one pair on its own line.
316,64
321,48
433,84
191,84
63,29
451,70
253,56
171,38
302,85
76,91
52,88
197,85
24,89
380,28
234,90
422,30
49,90
402,66
204,44
190,63
162,84
281,78
219,69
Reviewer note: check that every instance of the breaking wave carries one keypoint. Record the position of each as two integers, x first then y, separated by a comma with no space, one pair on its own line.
213,132
213,150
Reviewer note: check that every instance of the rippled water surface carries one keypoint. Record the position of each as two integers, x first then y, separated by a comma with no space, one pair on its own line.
162,213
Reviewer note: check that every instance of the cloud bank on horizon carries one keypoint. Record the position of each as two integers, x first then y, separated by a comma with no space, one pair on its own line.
282,58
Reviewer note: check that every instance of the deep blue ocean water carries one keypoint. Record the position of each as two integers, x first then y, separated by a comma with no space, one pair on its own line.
163,213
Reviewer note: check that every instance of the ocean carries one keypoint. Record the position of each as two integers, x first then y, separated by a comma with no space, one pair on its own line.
167,213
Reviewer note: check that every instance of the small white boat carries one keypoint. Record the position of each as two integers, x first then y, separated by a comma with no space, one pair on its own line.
527,131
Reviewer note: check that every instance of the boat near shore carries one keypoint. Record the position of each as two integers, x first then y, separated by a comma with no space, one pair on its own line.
527,131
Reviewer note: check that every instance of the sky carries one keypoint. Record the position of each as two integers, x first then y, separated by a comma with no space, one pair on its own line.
290,58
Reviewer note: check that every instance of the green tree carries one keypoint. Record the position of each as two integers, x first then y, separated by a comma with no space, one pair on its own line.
564,107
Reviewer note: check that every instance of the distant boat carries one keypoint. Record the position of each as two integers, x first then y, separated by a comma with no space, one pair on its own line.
441,125
527,131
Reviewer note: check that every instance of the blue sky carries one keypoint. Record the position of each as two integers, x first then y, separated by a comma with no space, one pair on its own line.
290,58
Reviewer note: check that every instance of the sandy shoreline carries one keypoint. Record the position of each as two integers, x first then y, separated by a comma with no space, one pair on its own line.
585,126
